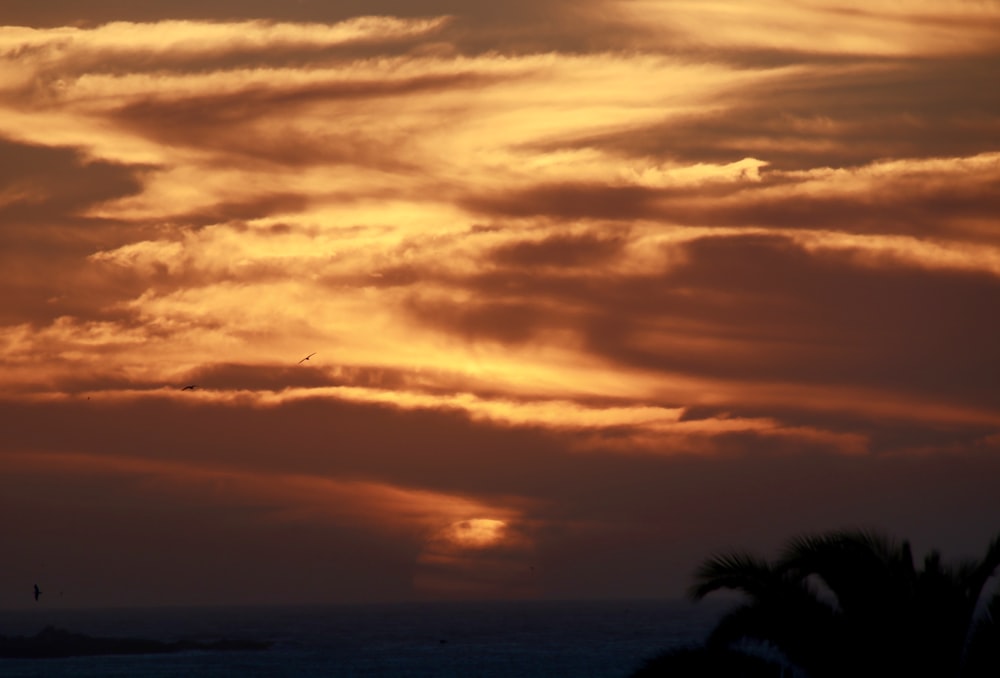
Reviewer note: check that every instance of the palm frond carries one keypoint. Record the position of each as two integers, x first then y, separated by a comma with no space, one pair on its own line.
982,657
864,570
985,569
889,617
737,571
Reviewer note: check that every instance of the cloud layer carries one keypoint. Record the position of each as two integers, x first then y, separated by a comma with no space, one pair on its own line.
618,280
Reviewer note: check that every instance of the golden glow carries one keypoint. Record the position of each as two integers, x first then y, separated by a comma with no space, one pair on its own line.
476,557
318,268
476,532
550,270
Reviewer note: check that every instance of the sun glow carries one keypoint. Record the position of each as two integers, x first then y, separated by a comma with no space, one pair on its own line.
476,533
477,558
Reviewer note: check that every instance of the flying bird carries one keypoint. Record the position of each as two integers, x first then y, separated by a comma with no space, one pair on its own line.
38,592
190,387
306,358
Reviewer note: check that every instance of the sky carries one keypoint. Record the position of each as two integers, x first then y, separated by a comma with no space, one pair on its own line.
590,290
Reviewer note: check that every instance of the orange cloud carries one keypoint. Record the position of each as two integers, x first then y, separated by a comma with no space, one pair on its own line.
47,47
706,229
820,26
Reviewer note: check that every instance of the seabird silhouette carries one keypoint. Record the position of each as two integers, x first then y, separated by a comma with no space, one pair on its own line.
190,387
38,592
306,358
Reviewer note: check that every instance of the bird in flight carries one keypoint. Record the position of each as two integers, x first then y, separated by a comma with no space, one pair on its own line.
190,387
306,358
38,592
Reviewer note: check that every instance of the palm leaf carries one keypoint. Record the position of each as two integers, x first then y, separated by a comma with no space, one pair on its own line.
736,571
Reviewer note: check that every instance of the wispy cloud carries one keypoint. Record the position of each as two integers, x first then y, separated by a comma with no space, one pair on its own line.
883,28
609,236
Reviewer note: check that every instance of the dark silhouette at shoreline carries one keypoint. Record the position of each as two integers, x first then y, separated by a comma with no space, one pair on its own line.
38,592
51,642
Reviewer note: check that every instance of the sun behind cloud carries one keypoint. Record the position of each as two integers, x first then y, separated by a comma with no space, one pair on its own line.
476,558
476,533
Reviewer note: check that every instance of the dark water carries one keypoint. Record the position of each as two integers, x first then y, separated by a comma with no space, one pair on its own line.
418,640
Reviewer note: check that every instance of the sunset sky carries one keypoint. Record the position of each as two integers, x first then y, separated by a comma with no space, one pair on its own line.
594,288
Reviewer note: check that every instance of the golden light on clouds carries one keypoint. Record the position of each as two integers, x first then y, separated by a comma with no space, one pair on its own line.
883,27
530,254
195,37
476,532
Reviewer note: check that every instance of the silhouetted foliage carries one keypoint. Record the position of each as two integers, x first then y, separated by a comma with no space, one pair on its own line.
853,603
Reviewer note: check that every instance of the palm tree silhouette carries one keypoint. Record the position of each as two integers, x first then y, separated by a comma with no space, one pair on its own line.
853,603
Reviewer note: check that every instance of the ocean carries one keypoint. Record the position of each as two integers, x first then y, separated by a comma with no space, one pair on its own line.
606,639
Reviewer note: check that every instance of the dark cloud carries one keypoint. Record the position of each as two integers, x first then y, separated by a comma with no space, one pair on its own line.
296,374
647,520
43,227
573,200
108,540
751,308
951,204
828,320
944,206
440,450
45,184
258,206
237,377
504,321
560,250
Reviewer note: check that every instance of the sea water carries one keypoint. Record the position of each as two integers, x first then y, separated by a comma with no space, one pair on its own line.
606,639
